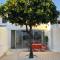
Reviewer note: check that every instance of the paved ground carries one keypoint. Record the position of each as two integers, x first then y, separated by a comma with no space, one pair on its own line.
20,55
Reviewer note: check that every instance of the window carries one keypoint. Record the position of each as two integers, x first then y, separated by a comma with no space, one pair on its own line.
4,21
26,37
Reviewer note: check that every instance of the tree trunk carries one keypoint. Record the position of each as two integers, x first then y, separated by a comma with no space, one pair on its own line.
31,52
31,36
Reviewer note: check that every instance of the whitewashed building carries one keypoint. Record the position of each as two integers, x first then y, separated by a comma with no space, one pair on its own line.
10,37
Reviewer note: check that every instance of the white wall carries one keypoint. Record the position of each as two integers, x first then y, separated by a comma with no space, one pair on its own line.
50,39
9,38
3,40
0,20
54,38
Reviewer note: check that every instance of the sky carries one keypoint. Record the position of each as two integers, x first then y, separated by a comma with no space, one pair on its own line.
56,2
2,1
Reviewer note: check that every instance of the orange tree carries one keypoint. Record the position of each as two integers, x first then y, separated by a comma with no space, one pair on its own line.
29,13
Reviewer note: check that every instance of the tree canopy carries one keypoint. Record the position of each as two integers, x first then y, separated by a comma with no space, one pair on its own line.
29,12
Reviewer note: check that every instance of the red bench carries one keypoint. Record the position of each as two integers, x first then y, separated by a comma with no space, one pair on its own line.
39,47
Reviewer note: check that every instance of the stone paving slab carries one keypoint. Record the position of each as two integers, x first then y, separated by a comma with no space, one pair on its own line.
42,55
20,55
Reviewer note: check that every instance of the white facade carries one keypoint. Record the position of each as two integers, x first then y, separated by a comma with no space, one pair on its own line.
3,40
54,38
5,36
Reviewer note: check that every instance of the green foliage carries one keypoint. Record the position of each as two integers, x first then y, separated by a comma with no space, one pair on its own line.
45,38
29,12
